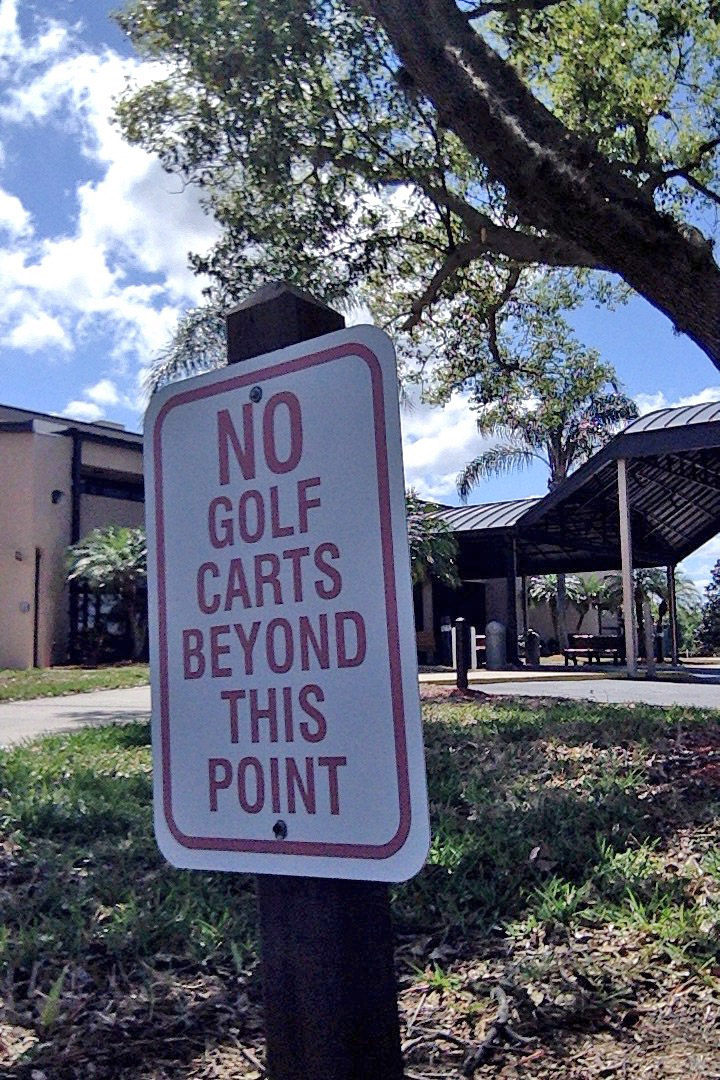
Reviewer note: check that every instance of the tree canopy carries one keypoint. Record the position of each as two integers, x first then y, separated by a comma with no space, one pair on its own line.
453,144
560,414
112,561
433,547
709,630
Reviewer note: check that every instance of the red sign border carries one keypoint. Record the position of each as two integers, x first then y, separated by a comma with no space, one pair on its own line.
277,846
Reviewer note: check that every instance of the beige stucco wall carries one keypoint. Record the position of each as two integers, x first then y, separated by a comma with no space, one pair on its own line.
110,457
17,566
96,511
540,617
32,466
52,469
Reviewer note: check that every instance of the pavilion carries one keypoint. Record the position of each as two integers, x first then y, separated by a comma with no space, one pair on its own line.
649,498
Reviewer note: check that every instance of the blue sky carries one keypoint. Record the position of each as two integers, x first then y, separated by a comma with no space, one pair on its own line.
93,258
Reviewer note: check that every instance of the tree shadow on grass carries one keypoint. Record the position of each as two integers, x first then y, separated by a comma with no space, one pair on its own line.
148,962
524,800
537,815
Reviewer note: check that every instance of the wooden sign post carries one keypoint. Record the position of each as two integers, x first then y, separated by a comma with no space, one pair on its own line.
287,738
326,945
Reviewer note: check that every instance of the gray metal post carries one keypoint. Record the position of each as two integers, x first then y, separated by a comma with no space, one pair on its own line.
672,611
627,569
649,635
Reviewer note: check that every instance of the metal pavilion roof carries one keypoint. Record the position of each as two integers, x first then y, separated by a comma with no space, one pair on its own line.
662,419
499,515
674,485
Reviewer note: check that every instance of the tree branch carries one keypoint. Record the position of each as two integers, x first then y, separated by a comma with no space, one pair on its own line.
508,6
563,186
703,189
460,257
658,178
494,346
522,247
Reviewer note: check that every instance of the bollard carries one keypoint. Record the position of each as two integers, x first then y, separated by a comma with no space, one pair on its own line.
462,653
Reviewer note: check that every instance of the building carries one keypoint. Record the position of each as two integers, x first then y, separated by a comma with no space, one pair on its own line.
649,498
60,480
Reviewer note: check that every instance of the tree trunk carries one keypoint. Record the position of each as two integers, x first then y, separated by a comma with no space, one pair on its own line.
640,621
562,612
136,625
556,181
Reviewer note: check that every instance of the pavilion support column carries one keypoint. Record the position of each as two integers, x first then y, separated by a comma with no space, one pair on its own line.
513,654
672,611
627,569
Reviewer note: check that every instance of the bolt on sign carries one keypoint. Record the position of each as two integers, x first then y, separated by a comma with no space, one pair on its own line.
286,719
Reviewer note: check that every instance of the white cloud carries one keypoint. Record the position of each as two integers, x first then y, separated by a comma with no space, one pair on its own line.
83,410
37,331
104,392
120,265
16,52
699,565
648,403
14,218
437,443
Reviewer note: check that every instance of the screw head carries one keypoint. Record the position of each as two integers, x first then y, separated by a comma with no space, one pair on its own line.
256,394
280,830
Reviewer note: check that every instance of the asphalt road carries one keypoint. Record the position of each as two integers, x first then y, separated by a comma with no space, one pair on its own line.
615,691
22,720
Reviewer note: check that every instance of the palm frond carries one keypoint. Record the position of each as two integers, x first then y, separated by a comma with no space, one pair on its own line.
198,344
497,461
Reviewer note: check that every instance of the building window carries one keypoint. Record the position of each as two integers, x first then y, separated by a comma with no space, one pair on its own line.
130,490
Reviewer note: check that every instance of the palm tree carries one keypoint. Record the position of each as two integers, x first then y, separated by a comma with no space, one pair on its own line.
433,547
560,415
595,593
651,585
112,562
544,590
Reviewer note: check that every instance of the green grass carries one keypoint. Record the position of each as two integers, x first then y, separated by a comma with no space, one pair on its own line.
21,685
551,815
572,845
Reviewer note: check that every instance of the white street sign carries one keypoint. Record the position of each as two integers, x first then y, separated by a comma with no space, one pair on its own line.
286,718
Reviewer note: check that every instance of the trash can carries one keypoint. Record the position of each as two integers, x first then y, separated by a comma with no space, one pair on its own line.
532,648
495,646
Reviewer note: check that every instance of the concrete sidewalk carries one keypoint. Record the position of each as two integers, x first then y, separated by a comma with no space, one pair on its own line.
21,720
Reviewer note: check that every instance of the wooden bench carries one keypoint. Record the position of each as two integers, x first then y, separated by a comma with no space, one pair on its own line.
425,642
595,647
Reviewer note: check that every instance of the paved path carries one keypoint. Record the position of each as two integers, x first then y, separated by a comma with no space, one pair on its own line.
21,720
617,691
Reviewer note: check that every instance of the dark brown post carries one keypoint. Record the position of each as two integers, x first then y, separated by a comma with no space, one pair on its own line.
462,653
326,945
